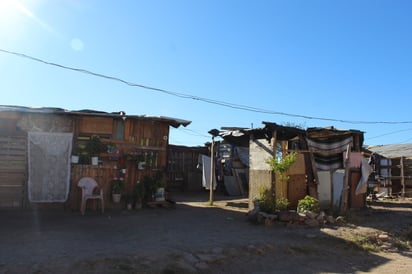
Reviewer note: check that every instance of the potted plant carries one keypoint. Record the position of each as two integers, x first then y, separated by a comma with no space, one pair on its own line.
75,155
160,186
117,185
94,147
111,147
150,187
139,193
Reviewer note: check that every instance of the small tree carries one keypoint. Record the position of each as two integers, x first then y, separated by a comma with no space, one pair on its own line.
281,167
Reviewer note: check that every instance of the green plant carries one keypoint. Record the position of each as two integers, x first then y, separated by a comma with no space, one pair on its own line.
281,203
266,200
111,147
308,203
95,146
117,185
281,167
150,187
139,191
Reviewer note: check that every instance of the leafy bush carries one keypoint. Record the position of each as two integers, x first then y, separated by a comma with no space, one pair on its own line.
266,200
269,203
308,203
282,203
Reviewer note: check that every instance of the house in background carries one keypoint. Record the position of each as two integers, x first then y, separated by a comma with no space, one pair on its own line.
392,169
36,146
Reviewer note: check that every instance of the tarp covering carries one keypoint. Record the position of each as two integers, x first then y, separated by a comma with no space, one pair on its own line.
243,154
204,164
362,186
49,166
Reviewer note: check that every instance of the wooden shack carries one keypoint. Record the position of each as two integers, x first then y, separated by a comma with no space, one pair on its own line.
33,139
327,165
392,169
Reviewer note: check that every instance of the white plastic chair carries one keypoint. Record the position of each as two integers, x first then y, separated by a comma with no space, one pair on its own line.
88,184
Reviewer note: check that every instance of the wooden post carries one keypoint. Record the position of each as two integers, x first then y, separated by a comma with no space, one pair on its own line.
212,169
345,189
403,177
274,184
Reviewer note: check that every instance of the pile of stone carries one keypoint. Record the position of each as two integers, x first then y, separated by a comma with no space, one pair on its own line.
384,242
308,218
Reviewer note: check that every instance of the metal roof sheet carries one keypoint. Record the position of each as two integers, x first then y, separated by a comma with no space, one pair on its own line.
175,122
392,151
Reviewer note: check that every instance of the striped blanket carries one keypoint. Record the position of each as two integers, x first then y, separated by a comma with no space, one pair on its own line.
328,153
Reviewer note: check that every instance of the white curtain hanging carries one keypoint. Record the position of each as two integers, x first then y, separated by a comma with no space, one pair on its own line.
49,166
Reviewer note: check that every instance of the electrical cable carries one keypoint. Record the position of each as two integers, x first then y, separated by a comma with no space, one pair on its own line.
390,133
197,98
193,133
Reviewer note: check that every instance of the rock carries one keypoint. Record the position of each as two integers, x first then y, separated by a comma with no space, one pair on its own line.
288,216
321,216
302,218
269,222
261,217
312,222
253,214
311,215
383,237
272,217
340,220
386,246
330,219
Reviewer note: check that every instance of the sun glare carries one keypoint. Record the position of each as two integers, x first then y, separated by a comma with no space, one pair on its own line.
8,11
13,11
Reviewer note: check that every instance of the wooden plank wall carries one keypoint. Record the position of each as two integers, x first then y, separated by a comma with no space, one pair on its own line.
101,174
13,175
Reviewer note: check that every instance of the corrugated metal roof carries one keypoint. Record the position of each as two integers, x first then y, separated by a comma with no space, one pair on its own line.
392,151
172,121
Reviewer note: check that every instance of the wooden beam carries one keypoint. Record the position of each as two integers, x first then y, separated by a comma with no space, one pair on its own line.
403,178
345,189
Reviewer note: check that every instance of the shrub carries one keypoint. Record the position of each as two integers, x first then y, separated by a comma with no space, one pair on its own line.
308,203
266,200
282,203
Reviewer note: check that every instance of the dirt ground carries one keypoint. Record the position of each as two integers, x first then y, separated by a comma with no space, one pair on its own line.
196,238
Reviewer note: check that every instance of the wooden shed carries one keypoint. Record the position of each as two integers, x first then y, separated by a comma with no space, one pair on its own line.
37,145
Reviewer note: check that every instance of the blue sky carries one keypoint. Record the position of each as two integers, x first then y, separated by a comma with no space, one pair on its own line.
343,60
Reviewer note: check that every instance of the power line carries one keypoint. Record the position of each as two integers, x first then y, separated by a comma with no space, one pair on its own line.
193,132
390,133
197,98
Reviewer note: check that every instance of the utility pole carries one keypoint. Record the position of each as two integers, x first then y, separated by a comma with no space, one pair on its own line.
214,133
212,170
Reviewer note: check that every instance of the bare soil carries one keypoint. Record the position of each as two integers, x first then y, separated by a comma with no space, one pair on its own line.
194,237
